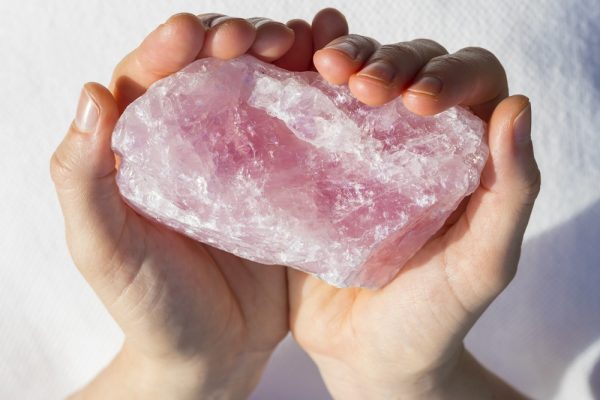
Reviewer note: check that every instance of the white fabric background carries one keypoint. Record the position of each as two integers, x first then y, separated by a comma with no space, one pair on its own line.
543,333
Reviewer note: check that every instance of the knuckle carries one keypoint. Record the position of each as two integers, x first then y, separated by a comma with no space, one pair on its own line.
121,69
430,45
402,50
478,52
65,163
60,167
468,58
534,186
356,40
363,44
483,56
452,62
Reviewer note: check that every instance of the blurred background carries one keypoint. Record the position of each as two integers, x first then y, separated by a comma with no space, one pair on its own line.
542,334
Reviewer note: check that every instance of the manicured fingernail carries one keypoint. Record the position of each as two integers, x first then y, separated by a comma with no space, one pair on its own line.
379,70
345,47
430,85
87,114
522,127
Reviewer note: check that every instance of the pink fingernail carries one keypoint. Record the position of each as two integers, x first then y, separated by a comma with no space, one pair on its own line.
345,47
522,127
379,70
430,85
86,118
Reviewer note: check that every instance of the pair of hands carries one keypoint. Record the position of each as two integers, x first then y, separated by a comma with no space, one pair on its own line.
202,323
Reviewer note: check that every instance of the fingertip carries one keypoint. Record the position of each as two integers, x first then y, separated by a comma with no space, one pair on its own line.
104,100
511,179
328,24
273,40
299,55
172,45
514,114
96,109
425,96
329,12
106,118
85,152
87,114
513,170
371,91
513,105
185,30
422,104
298,24
167,49
228,39
334,65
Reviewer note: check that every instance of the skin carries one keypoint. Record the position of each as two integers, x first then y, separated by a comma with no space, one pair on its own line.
406,338
201,323
198,322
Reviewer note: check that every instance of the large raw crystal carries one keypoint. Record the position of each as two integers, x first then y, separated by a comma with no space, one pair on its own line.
282,168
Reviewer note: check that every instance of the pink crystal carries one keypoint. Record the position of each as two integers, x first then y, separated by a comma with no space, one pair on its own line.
283,168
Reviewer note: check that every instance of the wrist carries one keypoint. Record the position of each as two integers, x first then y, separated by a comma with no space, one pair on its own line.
135,376
471,380
364,377
461,377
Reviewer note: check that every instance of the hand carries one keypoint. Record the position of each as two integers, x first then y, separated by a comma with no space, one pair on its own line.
198,322
406,340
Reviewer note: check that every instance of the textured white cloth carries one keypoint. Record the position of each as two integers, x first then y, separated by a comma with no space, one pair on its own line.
543,333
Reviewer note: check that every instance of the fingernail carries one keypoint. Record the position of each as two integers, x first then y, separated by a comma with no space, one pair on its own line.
174,16
430,85
219,20
345,47
522,127
379,70
87,114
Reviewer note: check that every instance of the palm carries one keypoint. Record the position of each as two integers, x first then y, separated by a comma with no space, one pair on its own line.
419,319
165,290
170,293
182,294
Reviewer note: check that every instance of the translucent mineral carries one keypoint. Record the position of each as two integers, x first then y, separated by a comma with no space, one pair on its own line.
283,168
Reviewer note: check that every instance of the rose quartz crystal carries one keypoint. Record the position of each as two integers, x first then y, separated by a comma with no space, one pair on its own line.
283,168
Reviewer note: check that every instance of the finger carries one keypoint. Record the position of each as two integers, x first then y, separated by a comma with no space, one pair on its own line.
328,24
391,68
226,37
210,20
472,77
299,56
167,49
344,56
498,211
83,171
273,39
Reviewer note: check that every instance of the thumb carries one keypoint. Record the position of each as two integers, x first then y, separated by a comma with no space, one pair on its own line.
498,211
83,171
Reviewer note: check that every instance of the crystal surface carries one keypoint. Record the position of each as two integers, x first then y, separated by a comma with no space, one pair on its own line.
283,168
